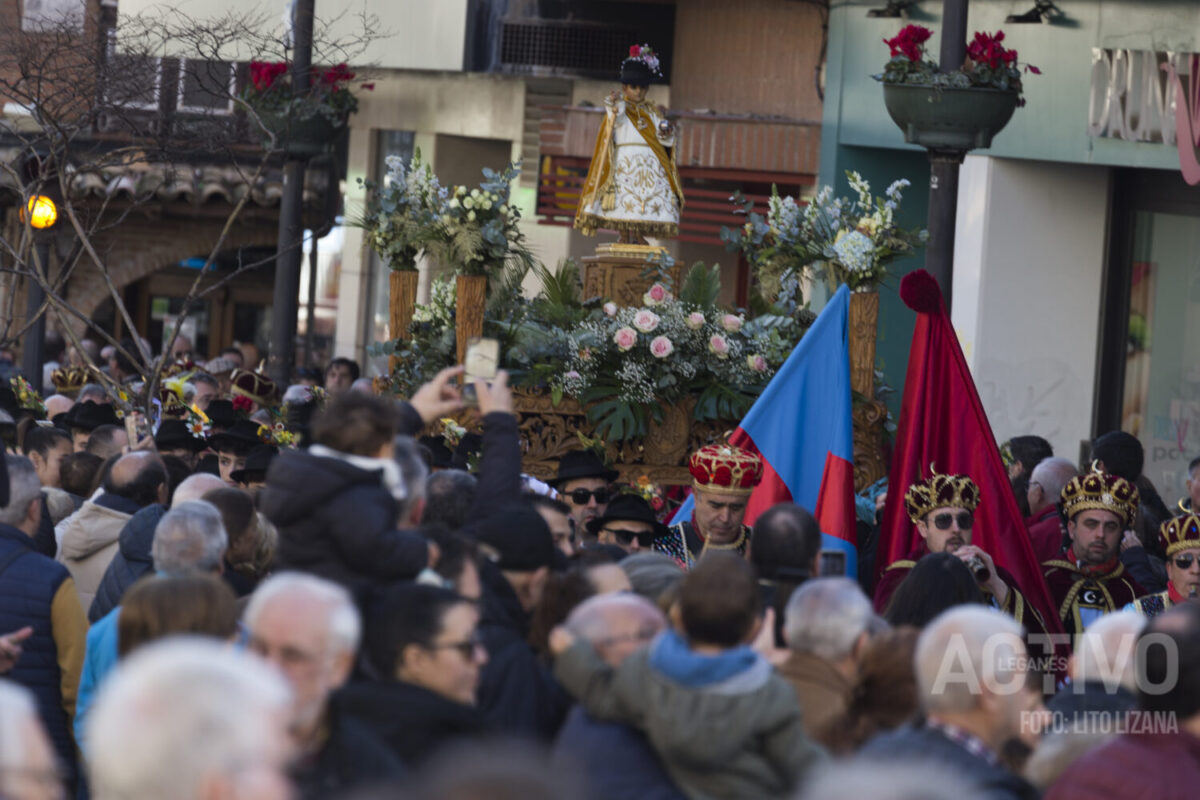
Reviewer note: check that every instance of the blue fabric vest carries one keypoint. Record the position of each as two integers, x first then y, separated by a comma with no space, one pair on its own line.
27,589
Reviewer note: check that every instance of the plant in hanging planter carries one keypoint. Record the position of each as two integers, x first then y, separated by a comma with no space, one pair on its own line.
406,212
989,64
323,108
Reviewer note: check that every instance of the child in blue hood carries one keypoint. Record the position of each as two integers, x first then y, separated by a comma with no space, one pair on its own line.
723,723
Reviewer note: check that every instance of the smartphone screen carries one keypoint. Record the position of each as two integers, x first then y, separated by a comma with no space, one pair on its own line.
481,363
833,562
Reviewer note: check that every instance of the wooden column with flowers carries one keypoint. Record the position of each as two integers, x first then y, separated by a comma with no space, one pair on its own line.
848,241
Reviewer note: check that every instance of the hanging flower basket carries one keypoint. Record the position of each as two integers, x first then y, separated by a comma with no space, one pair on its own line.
302,137
942,118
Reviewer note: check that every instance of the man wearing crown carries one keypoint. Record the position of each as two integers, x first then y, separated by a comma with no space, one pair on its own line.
723,478
1088,579
943,509
1181,541
632,184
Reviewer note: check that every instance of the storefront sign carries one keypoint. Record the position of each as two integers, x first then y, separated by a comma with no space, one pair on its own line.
1148,96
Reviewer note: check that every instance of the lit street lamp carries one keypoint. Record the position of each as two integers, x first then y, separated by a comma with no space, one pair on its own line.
41,213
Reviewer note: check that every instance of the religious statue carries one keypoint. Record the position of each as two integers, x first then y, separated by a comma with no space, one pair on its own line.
632,185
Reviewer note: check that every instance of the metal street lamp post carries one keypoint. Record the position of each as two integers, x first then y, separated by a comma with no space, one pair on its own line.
41,213
289,252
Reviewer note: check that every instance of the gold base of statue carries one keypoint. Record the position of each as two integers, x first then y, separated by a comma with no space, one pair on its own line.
635,250
622,272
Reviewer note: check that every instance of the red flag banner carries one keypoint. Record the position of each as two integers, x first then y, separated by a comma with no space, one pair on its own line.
943,425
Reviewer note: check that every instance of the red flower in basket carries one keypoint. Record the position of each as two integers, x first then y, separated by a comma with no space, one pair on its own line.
909,42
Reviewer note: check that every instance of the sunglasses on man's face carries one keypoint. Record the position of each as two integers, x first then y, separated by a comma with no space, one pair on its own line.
944,520
625,537
580,496
1185,561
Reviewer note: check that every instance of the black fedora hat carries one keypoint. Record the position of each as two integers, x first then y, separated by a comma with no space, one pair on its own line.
89,415
257,461
220,413
581,464
628,507
635,72
442,457
241,438
174,434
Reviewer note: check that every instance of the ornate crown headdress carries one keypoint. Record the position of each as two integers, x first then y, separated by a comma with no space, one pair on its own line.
1180,533
940,491
1101,491
725,469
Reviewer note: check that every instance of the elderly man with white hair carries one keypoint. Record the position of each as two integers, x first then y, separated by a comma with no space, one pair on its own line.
1046,482
827,624
185,719
28,770
617,759
189,539
972,682
309,628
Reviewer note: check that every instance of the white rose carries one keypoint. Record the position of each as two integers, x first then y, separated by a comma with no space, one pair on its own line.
471,216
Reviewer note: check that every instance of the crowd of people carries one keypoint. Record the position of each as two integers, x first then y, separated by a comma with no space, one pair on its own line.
264,594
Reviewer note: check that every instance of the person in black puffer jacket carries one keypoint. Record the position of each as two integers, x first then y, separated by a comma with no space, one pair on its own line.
336,505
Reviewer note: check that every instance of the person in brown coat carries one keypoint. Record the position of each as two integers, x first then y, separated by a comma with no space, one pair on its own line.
885,695
827,626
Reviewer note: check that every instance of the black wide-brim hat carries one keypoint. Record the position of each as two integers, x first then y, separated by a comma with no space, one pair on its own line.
442,457
628,507
257,461
220,413
88,416
581,464
634,72
241,438
174,434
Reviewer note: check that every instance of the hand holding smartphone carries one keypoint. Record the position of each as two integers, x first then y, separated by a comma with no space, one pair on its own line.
481,363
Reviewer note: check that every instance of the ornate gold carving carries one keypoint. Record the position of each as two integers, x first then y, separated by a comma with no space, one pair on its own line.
869,462
619,277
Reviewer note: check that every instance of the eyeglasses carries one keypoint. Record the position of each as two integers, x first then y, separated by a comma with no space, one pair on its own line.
1185,561
644,538
943,521
580,496
467,648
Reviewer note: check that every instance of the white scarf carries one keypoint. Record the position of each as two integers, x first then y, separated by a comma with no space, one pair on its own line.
392,480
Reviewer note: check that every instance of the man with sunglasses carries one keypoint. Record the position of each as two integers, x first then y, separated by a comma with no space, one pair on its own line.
723,478
629,523
583,483
943,509
1181,541
1088,580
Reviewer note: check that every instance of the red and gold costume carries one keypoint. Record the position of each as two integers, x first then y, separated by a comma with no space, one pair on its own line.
950,491
1085,592
722,470
1178,534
